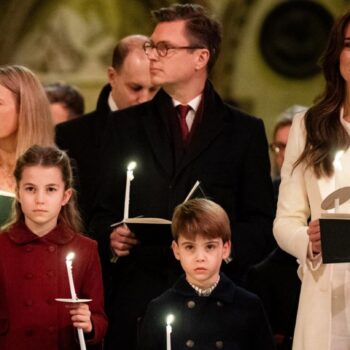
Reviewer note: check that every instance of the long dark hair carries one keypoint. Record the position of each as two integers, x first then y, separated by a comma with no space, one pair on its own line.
49,157
324,133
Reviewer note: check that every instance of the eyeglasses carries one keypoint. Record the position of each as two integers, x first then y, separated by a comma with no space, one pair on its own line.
278,147
162,48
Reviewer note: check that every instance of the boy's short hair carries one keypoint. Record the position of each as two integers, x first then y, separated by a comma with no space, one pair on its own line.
200,217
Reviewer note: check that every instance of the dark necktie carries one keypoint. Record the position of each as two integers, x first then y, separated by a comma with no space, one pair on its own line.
183,110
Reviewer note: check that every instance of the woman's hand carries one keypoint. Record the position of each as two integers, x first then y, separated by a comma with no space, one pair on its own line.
315,236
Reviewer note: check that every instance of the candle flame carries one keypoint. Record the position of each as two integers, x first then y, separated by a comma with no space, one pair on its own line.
132,165
169,319
70,256
337,158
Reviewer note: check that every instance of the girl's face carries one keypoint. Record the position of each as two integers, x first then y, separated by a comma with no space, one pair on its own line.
8,114
41,194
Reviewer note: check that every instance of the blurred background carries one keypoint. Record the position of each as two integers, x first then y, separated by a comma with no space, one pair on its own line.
268,60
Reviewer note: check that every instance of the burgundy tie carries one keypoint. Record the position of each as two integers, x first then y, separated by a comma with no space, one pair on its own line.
183,110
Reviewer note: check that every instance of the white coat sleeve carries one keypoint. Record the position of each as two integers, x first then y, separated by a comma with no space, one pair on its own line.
293,210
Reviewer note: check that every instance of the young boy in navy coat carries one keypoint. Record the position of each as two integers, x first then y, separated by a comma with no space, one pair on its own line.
210,311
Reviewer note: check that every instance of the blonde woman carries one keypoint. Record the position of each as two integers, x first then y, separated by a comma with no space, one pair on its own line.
25,120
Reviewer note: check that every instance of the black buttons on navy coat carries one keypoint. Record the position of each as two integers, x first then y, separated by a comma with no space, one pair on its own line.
219,344
191,304
219,303
190,343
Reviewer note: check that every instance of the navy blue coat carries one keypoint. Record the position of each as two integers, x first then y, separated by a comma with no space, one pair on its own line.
230,318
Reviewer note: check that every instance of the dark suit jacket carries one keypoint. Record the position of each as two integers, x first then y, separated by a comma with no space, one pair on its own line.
230,318
82,139
228,153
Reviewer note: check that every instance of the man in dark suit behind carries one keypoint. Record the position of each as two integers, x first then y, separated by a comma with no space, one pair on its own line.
129,84
223,148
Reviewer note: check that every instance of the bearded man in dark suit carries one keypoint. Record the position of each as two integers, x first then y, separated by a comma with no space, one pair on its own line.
222,147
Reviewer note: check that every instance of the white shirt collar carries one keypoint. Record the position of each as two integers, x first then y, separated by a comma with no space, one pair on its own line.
194,103
111,103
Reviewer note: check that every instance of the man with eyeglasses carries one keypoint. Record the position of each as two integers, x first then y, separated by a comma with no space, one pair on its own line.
186,133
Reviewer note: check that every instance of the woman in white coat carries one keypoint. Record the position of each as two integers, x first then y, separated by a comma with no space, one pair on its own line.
308,176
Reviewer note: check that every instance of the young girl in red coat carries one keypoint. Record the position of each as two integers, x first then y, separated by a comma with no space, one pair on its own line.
33,273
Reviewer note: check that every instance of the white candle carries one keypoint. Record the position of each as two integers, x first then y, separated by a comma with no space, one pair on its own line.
337,174
169,321
69,258
129,178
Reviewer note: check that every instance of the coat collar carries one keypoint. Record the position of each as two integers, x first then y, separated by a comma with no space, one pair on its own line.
224,291
102,112
157,127
21,234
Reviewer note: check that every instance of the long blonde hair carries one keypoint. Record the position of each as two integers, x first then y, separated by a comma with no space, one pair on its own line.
34,117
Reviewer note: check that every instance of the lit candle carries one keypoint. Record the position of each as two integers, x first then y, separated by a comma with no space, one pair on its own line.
129,178
169,321
337,173
69,258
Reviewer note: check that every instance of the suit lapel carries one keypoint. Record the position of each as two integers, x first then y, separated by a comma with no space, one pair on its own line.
157,129
210,127
101,116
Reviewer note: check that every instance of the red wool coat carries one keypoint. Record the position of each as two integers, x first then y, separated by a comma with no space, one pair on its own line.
32,274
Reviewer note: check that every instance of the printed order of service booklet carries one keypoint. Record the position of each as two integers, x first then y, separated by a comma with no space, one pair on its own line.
335,228
156,231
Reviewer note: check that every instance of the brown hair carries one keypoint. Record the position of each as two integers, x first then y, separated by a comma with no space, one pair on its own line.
49,157
125,46
202,30
68,95
200,217
34,116
324,133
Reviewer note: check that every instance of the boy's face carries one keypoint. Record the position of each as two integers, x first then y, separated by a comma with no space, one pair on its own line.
201,258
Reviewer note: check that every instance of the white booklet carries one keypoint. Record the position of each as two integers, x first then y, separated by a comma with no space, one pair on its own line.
156,221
